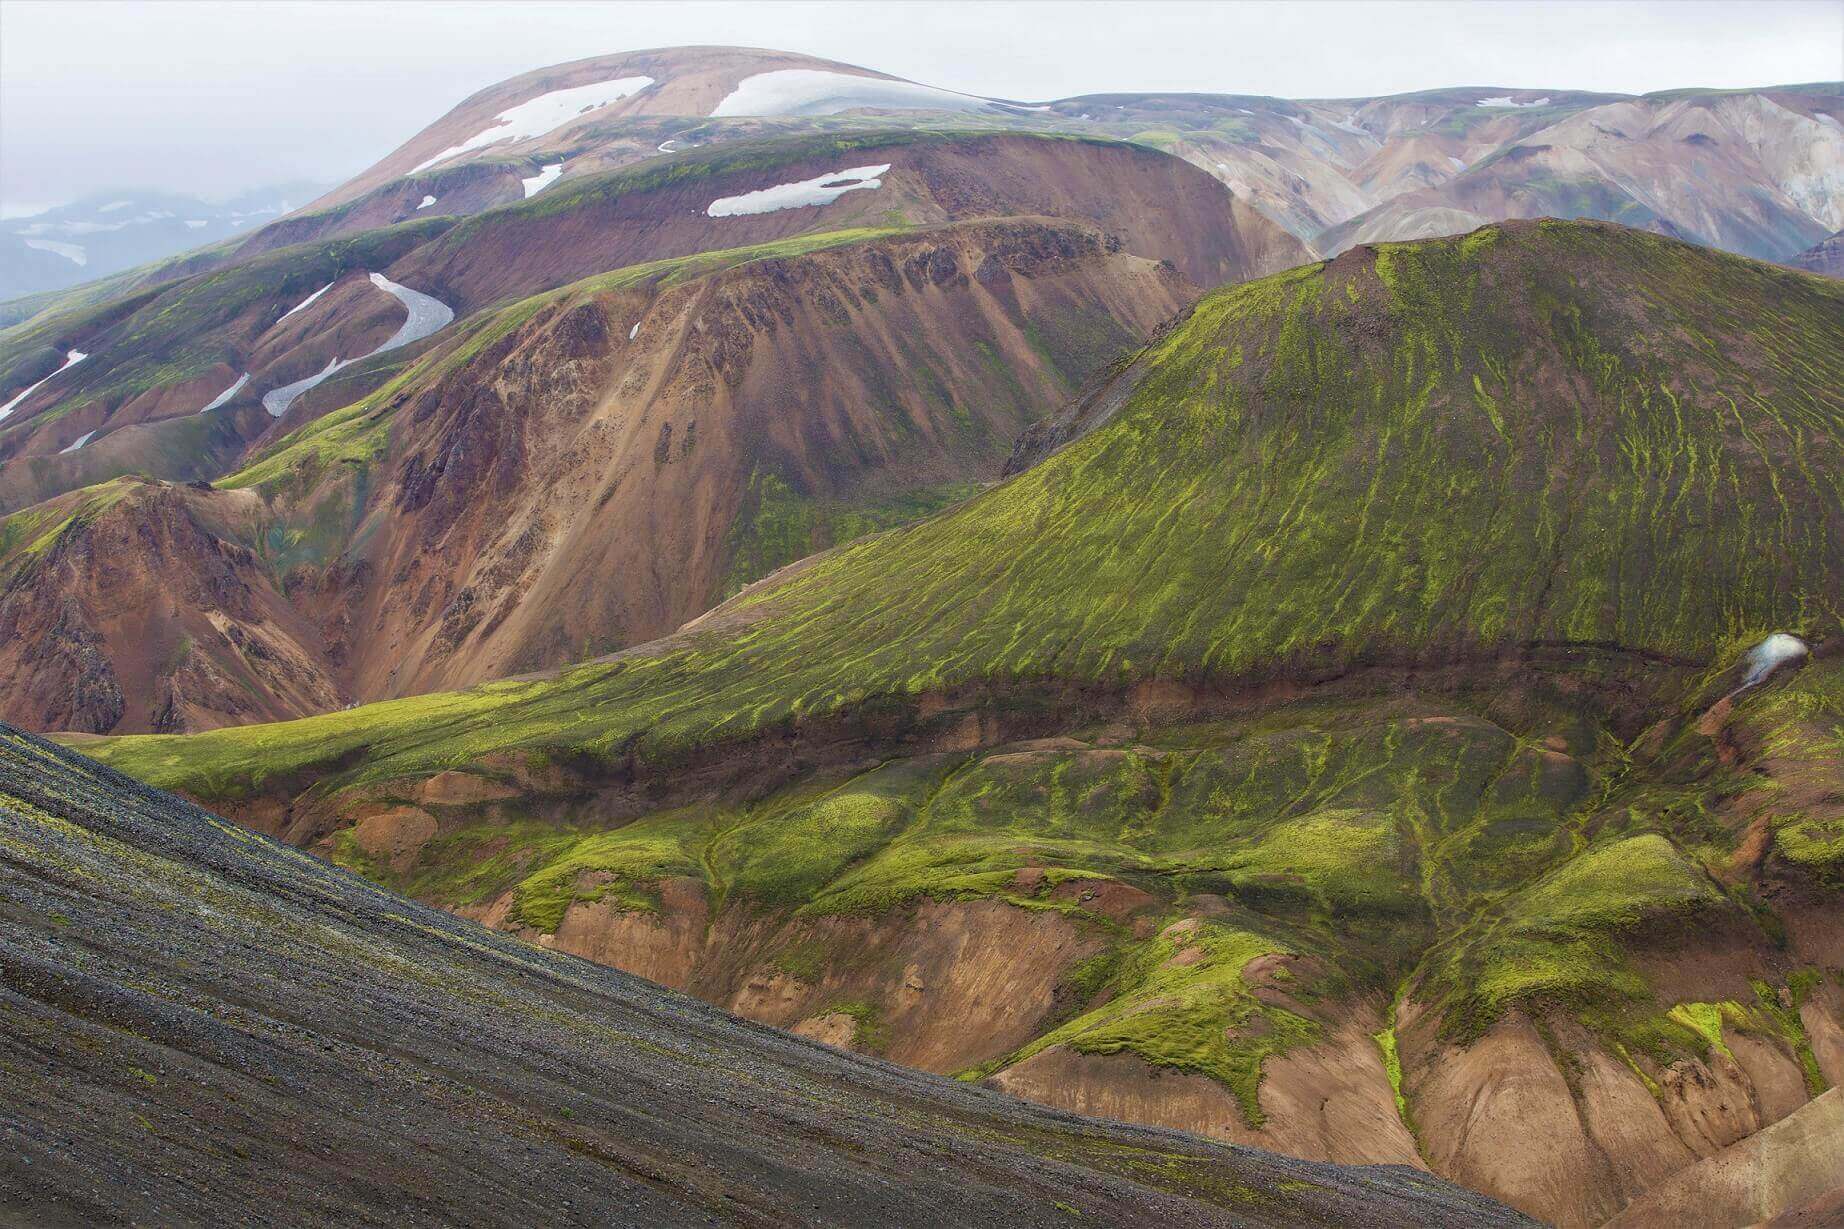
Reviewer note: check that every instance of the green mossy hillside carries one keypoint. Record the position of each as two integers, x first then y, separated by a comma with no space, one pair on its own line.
1538,434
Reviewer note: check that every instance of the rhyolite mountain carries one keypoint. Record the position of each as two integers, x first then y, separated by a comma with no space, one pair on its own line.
581,470
600,446
355,582
1825,256
1752,171
1393,718
197,1021
1755,171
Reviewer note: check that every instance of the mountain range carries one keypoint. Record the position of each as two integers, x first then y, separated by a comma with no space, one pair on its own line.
59,248
1180,608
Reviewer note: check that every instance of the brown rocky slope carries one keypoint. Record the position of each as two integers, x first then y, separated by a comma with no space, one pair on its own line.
611,462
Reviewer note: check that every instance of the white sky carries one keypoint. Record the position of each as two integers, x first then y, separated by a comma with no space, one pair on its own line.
217,97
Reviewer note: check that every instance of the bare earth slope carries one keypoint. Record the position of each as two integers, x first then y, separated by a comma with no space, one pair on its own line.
577,472
195,1021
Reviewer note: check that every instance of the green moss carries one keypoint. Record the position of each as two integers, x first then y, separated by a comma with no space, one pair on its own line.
1392,1066
620,867
870,1033
1704,1019
775,525
1180,1002
1557,940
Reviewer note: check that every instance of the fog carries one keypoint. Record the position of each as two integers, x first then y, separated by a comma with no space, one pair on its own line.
212,98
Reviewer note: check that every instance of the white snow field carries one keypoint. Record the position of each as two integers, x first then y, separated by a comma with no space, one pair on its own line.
545,113
304,302
228,393
427,201
71,359
634,332
426,315
80,442
1504,100
72,252
543,179
815,91
277,400
820,190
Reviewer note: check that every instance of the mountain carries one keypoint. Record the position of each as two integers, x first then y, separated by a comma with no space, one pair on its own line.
619,396
1390,719
113,231
1825,256
244,1026
1751,171
1754,172
575,472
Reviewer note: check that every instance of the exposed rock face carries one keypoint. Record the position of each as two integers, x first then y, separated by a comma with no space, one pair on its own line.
1793,1165
138,608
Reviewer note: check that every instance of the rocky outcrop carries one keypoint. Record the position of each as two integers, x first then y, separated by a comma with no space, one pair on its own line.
139,609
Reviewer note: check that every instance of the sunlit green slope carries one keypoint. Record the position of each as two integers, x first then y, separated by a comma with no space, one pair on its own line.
1538,433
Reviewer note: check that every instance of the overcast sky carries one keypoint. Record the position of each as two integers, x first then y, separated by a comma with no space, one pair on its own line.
217,97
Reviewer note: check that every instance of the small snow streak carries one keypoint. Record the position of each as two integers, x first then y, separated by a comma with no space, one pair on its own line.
228,393
304,302
71,359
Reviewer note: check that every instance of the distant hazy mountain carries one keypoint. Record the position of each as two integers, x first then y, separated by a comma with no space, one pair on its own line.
1826,256
112,231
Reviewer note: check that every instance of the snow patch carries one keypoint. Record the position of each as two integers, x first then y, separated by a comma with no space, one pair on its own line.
81,441
304,302
545,113
277,400
542,180
228,393
1459,164
427,201
71,359
427,313
820,190
1769,655
634,332
1505,100
815,91
72,252
663,146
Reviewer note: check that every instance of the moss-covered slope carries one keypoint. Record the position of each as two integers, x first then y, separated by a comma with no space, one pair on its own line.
1347,714
196,1019
1539,435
